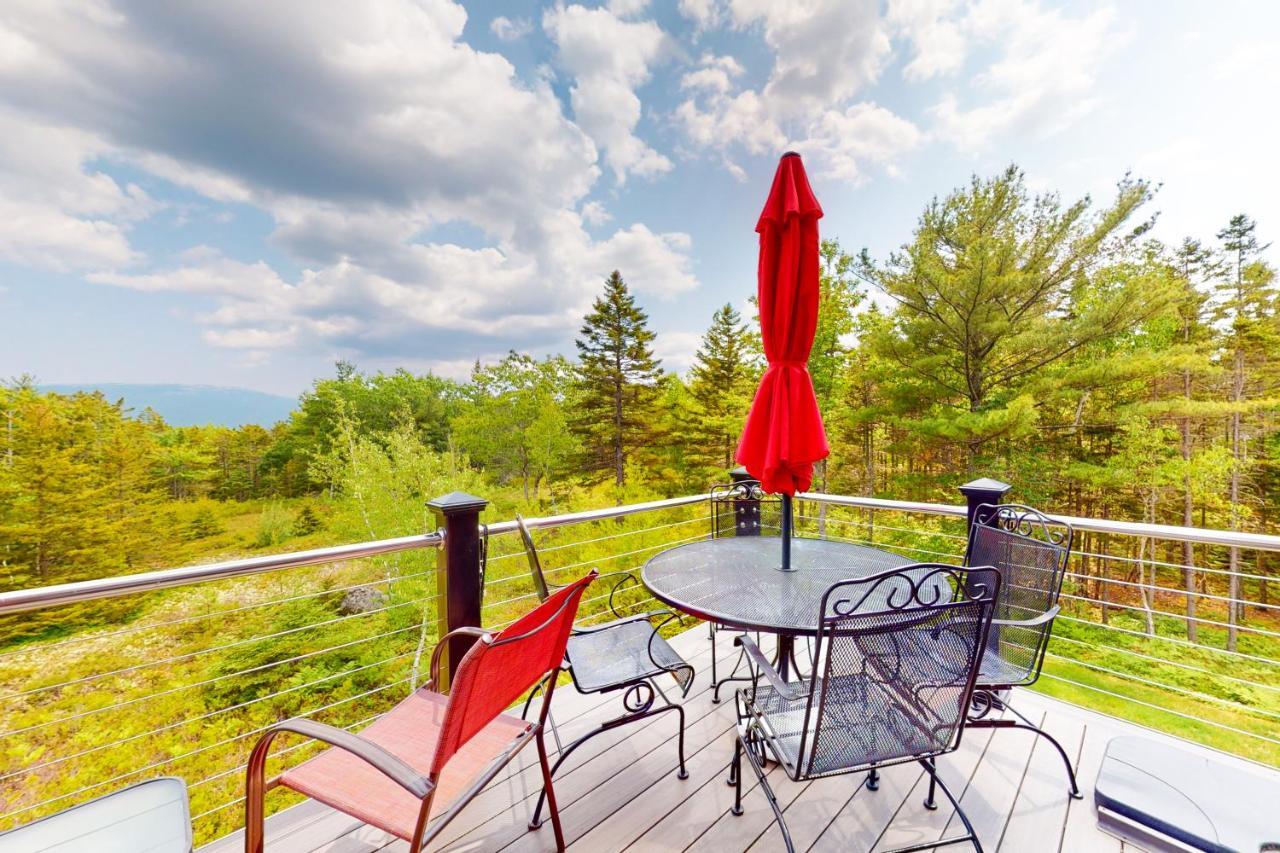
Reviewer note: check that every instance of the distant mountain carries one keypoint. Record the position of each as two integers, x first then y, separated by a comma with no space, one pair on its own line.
194,405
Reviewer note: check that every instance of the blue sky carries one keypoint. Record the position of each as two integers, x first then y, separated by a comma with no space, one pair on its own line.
241,193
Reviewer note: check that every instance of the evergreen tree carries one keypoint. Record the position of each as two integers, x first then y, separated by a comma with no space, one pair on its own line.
1247,304
722,377
994,287
618,378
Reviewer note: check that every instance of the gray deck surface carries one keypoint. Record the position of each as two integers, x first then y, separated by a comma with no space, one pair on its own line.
620,792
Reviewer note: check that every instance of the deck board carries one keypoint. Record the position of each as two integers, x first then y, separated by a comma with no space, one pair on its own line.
620,792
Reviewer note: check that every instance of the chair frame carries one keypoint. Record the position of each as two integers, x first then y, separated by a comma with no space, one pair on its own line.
422,786
640,694
1025,522
754,735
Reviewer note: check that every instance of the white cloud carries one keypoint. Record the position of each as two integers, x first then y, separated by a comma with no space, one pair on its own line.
507,29
937,37
1043,79
628,8
609,58
825,53
676,349
864,133
177,91
594,213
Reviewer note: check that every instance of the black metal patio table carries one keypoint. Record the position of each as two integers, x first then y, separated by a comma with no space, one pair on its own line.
738,581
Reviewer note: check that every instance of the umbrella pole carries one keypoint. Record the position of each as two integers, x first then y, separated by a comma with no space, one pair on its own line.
786,533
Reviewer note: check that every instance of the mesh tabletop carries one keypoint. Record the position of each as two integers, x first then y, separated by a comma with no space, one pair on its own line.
737,580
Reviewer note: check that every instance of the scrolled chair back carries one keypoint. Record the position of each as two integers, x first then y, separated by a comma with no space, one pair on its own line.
744,509
898,654
1031,552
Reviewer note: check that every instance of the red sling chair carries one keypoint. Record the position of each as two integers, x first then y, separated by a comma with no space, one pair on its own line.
392,773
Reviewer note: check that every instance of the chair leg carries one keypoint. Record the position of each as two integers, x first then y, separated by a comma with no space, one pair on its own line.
735,776
929,802
743,748
682,773
970,835
549,793
873,779
1074,790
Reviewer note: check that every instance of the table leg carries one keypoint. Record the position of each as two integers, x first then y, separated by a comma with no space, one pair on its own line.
786,654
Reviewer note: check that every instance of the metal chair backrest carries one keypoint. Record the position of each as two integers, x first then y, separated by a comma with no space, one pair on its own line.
744,509
500,668
898,655
1031,553
540,584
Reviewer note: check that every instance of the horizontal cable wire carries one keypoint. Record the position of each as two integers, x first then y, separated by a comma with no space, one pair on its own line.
1176,640
868,542
1153,707
527,595
1179,566
167,761
581,542
1182,617
1194,694
132,629
211,649
915,530
261,668
1165,662
196,719
1156,588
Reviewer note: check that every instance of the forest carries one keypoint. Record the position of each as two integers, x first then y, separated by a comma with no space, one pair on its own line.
1054,344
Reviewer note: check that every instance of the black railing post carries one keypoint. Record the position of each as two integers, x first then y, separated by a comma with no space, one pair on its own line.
746,511
458,581
982,491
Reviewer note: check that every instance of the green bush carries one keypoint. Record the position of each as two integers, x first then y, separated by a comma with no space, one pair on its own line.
274,526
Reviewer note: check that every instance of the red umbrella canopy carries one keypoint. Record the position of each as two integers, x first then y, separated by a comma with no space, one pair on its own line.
783,435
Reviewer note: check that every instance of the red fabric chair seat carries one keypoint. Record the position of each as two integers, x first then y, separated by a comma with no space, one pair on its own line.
410,731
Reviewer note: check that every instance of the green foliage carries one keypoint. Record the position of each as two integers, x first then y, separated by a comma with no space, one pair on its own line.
203,525
274,526
306,521
618,378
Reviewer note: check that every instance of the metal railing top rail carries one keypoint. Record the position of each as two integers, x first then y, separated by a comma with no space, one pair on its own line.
586,516
1205,536
21,600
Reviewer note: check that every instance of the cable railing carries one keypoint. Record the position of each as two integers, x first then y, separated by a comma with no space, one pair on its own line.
201,660
1141,637
196,662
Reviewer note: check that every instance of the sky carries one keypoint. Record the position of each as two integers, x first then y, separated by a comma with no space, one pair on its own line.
241,193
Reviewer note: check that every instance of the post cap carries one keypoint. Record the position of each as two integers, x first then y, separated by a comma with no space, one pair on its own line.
456,502
984,485
739,473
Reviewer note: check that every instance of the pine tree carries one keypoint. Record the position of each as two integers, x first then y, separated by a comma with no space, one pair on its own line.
618,378
721,382
1247,302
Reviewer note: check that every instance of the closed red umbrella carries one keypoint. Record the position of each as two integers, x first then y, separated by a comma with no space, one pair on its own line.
783,435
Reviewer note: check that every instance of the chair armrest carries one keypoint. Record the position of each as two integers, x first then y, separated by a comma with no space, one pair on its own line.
465,631
384,762
1047,616
790,692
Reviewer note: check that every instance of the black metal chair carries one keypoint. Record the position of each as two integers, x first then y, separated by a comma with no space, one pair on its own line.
1031,553
898,655
739,509
626,654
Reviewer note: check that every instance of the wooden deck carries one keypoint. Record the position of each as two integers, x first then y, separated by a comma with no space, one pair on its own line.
619,791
